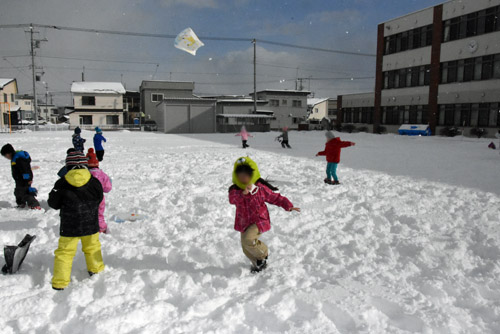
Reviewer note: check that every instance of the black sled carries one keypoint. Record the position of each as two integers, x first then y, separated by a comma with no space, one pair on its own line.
15,255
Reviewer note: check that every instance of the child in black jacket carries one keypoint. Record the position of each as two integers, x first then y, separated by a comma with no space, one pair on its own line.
23,176
77,195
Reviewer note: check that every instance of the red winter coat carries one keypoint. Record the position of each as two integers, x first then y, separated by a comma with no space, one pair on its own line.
252,209
333,148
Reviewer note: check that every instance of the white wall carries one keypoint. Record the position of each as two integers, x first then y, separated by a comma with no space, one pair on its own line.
102,101
456,8
98,118
411,21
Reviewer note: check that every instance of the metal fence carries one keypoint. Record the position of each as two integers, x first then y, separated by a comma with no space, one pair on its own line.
67,127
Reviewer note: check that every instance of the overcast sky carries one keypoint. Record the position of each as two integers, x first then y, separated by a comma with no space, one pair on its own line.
219,67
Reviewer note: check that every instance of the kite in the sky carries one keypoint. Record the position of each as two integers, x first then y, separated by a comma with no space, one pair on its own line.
188,41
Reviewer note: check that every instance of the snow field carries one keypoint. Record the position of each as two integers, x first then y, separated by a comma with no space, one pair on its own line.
379,254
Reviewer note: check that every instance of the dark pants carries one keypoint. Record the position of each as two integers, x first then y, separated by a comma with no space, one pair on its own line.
285,144
23,196
99,155
245,145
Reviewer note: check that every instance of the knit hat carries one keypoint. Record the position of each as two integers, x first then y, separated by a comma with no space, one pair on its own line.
93,162
329,135
98,129
78,130
7,148
76,159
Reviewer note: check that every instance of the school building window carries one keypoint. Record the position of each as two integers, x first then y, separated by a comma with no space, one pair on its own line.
88,100
86,120
297,103
112,120
408,40
407,77
156,97
469,115
471,69
473,24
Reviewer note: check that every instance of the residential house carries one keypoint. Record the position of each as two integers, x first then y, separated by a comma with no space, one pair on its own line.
289,106
97,104
155,91
26,108
8,92
322,112
47,112
235,111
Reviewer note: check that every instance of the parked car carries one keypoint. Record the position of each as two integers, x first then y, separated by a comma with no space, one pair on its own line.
150,126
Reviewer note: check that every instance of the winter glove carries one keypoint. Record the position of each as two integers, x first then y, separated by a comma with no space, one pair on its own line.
32,191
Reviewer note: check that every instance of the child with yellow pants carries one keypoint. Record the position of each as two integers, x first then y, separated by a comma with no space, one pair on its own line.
78,196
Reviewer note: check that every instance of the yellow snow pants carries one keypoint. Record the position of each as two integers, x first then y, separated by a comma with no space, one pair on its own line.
65,252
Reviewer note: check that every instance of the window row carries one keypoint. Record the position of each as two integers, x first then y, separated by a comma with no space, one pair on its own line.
478,23
89,120
405,115
358,115
408,77
475,114
408,40
277,103
471,69
6,98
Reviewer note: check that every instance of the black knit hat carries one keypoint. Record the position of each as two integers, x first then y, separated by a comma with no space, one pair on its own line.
7,148
76,159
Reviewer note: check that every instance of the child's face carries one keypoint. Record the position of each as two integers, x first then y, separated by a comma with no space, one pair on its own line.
8,156
244,178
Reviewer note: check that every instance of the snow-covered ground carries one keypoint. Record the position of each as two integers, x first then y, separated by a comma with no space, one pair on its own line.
390,251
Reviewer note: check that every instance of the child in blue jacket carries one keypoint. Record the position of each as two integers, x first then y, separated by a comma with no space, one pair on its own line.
98,139
78,141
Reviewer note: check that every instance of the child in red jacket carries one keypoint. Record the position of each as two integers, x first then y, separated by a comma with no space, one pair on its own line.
332,152
250,193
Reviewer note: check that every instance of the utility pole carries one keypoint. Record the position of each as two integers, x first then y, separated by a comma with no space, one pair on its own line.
83,74
46,102
254,41
33,70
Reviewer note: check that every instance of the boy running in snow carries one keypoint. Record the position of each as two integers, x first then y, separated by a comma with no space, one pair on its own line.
332,152
78,141
23,176
106,186
250,193
284,138
77,195
244,136
98,139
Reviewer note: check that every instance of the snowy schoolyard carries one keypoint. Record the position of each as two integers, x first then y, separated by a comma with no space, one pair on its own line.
409,243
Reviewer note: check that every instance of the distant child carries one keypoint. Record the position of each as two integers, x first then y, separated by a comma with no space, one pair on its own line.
332,152
284,138
98,139
77,195
250,193
78,141
23,176
244,136
106,186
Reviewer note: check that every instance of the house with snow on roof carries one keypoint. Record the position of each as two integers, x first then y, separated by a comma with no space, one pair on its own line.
8,91
321,112
97,104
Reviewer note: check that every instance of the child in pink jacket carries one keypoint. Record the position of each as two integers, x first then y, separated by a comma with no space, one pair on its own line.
244,136
250,194
93,163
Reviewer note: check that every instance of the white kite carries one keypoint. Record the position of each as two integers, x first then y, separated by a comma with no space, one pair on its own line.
188,41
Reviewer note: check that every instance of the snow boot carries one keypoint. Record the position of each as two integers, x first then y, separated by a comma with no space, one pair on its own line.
335,183
35,207
91,273
327,181
21,206
261,265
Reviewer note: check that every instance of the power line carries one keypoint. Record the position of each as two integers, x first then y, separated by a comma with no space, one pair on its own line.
87,59
170,36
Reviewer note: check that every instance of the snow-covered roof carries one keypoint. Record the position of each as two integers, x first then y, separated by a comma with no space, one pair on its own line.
315,101
243,116
284,91
97,87
240,101
4,82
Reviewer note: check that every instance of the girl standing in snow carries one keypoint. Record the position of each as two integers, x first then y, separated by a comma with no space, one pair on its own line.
78,141
98,139
93,163
332,152
284,138
250,193
244,136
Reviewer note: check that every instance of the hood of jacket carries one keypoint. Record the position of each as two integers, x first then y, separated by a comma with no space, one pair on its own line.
78,177
249,162
20,154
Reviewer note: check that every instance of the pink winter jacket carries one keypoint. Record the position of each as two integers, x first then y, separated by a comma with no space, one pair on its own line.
252,209
244,135
106,187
